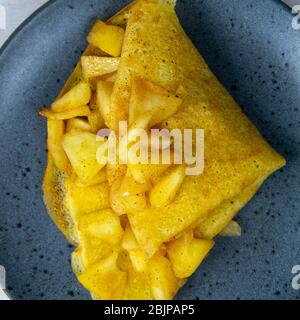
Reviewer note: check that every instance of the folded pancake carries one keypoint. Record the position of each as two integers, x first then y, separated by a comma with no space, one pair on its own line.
146,244
236,156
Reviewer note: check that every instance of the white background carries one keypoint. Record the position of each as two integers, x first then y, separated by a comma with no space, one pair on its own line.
16,12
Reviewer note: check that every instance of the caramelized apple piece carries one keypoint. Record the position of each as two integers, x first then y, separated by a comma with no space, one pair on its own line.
115,172
138,258
99,178
55,136
82,111
81,148
233,229
187,253
163,281
138,284
80,201
95,121
128,196
148,97
129,241
76,261
104,224
164,191
93,66
78,96
92,250
79,124
104,92
107,37
104,279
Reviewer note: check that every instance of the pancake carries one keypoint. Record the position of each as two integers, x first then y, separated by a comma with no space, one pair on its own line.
141,230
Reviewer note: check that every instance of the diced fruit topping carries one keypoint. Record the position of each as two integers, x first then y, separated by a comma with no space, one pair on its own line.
81,148
104,279
95,121
187,253
129,241
76,261
93,66
55,136
80,201
78,96
93,249
165,190
148,97
163,282
109,261
143,173
138,258
115,172
104,92
82,111
104,224
99,178
233,229
107,37
79,124
127,195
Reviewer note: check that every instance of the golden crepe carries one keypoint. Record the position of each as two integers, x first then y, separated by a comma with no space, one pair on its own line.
142,230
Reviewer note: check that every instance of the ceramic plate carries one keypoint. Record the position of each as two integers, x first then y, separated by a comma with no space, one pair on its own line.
254,51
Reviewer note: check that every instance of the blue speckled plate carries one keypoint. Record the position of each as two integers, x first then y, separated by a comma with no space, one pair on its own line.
251,47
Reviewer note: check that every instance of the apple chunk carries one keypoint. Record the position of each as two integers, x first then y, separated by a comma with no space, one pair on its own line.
99,178
104,279
143,173
91,250
81,148
187,253
55,136
138,258
82,111
165,190
80,201
93,66
78,96
77,123
127,195
163,281
147,97
104,224
104,92
108,38
233,229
